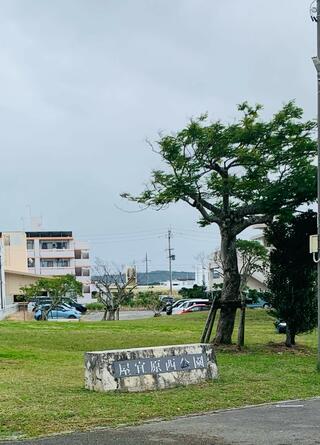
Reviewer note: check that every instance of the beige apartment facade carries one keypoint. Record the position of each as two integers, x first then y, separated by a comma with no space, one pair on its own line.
27,256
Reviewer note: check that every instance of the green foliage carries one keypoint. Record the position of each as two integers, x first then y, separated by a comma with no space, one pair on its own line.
237,174
292,279
95,306
254,258
252,251
255,295
149,300
195,292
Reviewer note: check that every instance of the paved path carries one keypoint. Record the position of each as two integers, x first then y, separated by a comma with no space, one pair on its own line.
124,315
289,423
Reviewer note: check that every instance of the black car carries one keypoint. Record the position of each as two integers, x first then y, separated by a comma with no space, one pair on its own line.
75,304
166,300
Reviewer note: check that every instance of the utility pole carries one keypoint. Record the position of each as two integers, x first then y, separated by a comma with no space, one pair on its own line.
171,258
147,268
315,17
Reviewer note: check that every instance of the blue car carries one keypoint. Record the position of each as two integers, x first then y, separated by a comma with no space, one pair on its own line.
259,304
57,312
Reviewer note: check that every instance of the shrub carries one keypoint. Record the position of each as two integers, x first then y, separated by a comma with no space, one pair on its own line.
95,306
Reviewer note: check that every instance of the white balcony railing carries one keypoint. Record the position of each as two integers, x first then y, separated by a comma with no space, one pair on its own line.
56,253
82,262
57,271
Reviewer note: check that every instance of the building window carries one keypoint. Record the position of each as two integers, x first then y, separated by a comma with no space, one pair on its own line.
59,245
54,262
78,271
86,289
31,262
30,244
85,272
81,254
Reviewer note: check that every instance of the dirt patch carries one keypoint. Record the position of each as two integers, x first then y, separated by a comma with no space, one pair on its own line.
280,348
21,316
230,348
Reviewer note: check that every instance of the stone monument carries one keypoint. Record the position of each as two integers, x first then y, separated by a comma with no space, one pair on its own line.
143,369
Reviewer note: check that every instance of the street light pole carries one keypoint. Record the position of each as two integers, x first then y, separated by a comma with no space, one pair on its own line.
318,176
170,260
316,61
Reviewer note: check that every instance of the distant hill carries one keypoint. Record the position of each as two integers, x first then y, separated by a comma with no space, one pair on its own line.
157,276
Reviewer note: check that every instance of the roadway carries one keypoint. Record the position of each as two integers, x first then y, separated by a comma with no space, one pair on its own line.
286,423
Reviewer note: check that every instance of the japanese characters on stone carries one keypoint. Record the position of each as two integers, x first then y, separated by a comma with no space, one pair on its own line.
187,362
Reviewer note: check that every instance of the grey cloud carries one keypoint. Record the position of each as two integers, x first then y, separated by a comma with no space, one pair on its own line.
84,83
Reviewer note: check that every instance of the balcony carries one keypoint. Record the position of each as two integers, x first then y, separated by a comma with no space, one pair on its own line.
56,253
82,262
57,271
84,280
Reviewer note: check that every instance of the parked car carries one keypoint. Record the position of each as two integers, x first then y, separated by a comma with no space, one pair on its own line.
73,303
37,301
166,300
281,326
259,304
196,308
60,311
187,304
170,307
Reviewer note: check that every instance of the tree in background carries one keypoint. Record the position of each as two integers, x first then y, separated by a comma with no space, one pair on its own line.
114,289
56,289
254,258
195,292
236,175
292,278
150,300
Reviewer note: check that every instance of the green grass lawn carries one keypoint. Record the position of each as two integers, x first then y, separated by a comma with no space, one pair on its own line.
42,376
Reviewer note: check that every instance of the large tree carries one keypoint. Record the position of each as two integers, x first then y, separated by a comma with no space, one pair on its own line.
236,175
293,274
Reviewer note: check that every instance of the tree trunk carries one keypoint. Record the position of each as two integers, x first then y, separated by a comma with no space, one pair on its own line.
240,343
290,337
230,289
118,314
111,314
104,318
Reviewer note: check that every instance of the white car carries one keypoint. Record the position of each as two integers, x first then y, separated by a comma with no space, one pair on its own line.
188,303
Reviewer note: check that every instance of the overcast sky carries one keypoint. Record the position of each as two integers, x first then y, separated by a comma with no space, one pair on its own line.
83,84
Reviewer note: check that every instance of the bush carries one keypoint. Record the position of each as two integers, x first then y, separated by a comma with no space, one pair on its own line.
95,307
293,274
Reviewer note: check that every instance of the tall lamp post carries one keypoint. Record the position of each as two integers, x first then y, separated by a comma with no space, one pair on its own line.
315,17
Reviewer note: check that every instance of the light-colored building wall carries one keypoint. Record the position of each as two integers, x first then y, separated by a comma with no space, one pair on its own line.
14,280
15,254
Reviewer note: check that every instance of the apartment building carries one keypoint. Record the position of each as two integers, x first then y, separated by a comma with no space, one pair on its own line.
27,256
58,253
